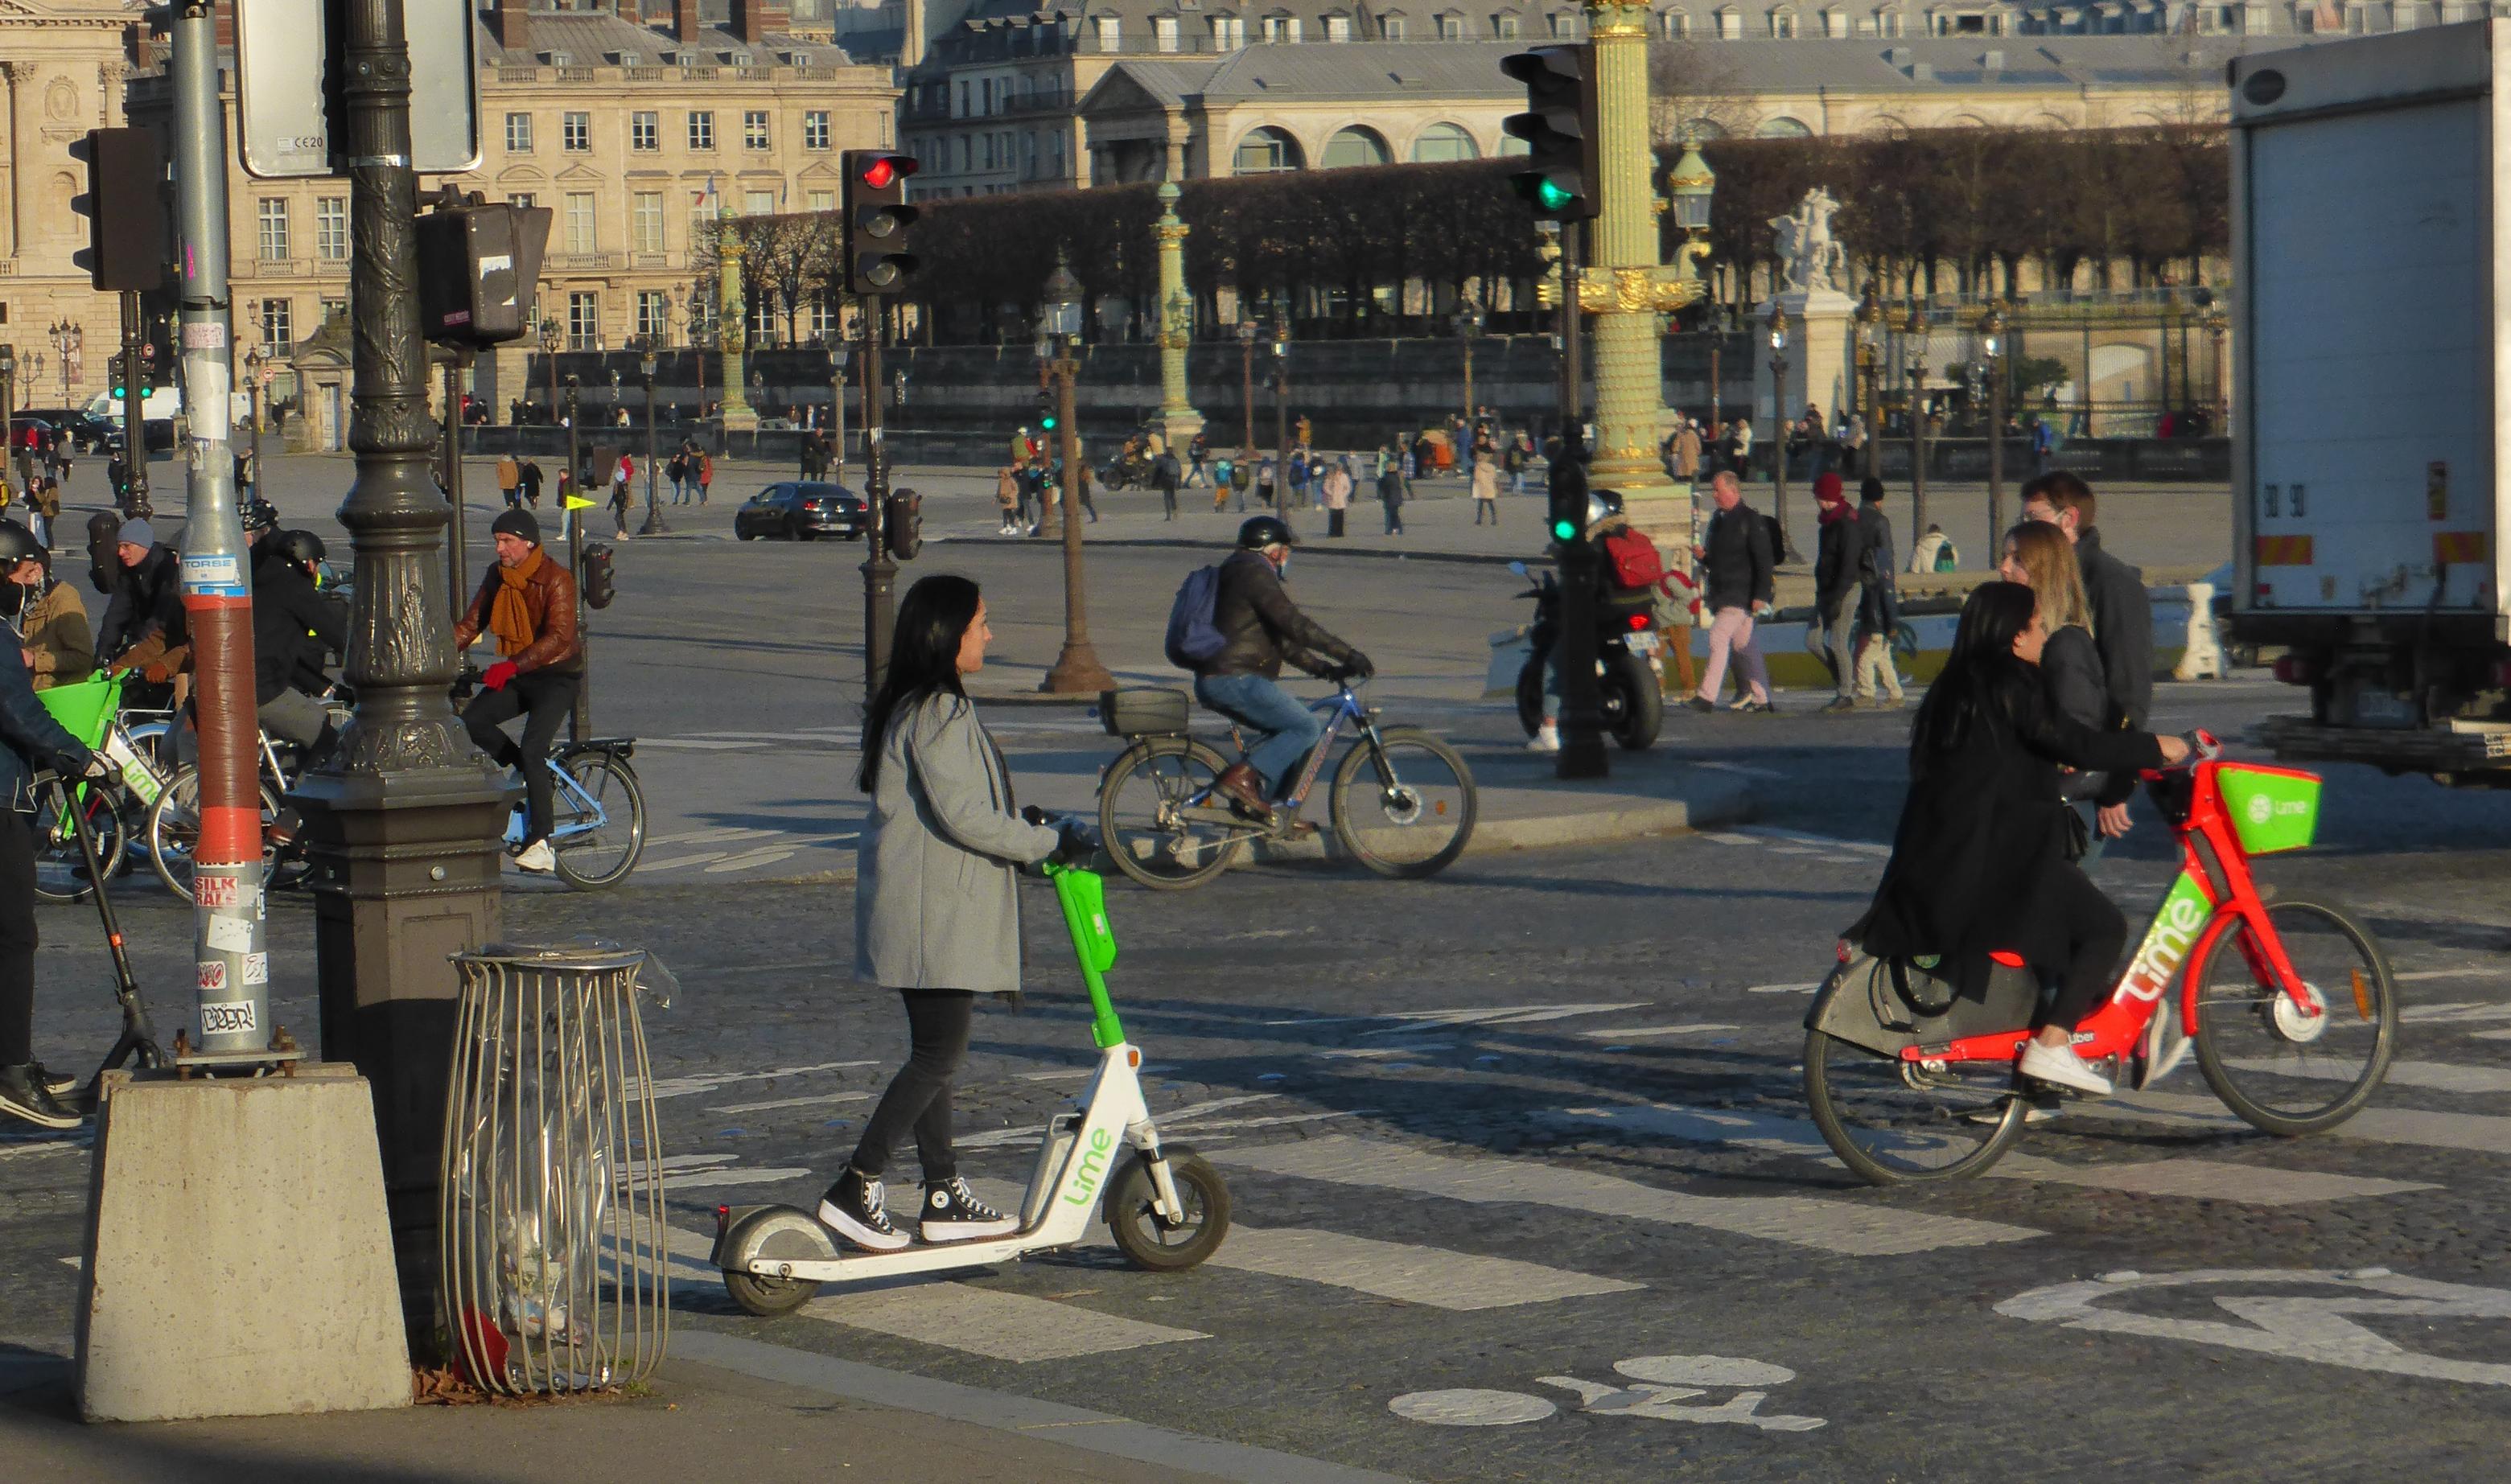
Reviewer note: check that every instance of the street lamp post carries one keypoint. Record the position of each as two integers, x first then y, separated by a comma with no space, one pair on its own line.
2219,325
8,401
1870,331
571,520
567,514
1468,322
653,525
1779,429
837,404
1913,340
1282,416
1247,384
456,564
253,362
67,341
1991,345
549,361
1076,670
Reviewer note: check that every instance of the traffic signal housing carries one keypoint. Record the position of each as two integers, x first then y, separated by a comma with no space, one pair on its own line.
1568,491
1046,418
1561,128
478,265
902,524
600,576
125,206
877,216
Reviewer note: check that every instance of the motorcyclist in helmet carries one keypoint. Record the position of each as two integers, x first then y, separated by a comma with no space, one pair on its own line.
1603,512
1261,629
46,614
294,624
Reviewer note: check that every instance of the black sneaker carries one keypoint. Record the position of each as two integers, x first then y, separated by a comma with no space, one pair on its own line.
1703,706
58,1084
952,1214
23,1095
857,1210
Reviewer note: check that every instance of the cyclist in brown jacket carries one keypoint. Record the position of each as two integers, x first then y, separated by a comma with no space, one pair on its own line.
527,603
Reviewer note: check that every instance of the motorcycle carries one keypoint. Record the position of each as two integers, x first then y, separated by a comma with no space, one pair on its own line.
1626,647
1129,468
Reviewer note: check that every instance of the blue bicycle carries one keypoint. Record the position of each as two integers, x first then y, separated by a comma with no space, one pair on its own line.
597,813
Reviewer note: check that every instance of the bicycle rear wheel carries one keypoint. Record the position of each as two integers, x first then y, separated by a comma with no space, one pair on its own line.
604,846
1142,814
2282,1069
175,828
1405,806
1891,1120
61,866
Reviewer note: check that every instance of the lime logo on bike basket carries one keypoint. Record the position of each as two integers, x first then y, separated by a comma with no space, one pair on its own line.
2262,808
2182,916
1091,1167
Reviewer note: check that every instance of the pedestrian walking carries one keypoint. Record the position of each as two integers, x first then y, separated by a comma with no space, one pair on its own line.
2122,611
1242,478
1738,568
528,483
1485,488
1391,491
510,479
29,738
1165,475
619,505
678,471
2038,555
1878,606
1007,500
43,507
1265,477
706,475
1837,567
1298,481
1337,497
1081,486
1197,451
1519,457
1687,452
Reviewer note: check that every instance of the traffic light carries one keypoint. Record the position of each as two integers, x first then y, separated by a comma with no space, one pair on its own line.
125,206
1560,128
1046,411
902,518
600,576
877,216
477,262
1568,490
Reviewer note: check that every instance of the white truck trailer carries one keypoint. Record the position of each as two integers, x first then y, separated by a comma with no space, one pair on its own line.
2371,394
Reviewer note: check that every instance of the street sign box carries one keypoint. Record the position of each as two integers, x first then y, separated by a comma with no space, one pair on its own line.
289,64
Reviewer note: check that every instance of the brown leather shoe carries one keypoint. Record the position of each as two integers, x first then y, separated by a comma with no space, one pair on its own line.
1239,783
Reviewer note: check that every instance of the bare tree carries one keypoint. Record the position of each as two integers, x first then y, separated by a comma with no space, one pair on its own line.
1691,91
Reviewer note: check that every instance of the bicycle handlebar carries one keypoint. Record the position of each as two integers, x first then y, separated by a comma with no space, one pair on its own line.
2204,747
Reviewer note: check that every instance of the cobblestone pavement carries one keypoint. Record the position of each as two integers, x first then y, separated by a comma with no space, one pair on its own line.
1526,1146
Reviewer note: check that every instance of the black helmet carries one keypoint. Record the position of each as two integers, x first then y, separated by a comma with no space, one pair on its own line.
1603,504
259,515
1261,531
17,544
302,547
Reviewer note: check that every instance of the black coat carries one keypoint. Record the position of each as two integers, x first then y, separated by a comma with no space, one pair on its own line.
1838,561
293,624
1983,830
1879,611
2122,626
148,599
1261,629
1736,562
2071,670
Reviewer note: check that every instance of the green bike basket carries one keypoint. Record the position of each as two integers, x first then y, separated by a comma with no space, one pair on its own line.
83,709
2271,808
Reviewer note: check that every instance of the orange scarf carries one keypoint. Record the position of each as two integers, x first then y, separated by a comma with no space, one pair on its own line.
509,617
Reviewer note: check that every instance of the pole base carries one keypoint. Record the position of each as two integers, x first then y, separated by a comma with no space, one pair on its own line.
1582,754
653,525
1077,672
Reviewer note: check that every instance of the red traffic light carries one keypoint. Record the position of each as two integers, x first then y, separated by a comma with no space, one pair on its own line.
880,171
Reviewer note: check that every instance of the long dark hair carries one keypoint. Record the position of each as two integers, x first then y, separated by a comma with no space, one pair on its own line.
924,657
1981,662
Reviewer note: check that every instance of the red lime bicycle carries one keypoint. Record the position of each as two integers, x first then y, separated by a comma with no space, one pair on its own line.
2288,1003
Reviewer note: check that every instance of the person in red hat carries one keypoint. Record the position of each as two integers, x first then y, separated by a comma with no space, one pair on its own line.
1838,583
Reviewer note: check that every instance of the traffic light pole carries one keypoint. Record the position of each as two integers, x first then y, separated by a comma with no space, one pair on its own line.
879,572
1582,703
135,400
579,722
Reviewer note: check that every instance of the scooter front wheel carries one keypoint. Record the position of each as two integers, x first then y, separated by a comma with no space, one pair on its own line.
768,1297
1159,1244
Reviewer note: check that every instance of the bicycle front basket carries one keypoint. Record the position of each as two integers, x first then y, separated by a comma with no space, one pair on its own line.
2271,808
83,709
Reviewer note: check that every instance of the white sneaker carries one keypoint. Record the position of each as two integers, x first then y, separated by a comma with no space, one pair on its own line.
537,858
1545,739
2062,1066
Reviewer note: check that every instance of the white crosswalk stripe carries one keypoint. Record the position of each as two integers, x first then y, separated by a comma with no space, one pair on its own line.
2440,1077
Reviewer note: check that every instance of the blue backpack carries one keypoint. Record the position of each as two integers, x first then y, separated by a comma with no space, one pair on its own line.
1194,637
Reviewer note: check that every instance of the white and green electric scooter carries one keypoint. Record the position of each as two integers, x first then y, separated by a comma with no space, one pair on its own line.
1166,1207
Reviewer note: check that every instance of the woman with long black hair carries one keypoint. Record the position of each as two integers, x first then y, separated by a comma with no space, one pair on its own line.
937,903
1979,864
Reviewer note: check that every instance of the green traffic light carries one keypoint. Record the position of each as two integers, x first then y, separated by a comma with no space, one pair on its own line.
1048,422
1552,195
1565,530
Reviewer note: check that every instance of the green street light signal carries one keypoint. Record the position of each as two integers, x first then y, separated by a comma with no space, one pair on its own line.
1560,129
1567,488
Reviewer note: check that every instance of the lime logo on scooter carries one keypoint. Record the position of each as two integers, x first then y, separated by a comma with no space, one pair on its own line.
2182,916
1091,1167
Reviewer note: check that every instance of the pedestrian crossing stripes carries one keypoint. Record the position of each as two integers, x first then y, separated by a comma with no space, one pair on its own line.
989,1322
2440,1077
2475,1133
1843,1227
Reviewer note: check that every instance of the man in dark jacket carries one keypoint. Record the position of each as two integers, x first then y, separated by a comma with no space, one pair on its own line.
1737,569
1261,629
293,626
147,601
1839,583
1165,473
527,603
1878,605
29,738
2122,613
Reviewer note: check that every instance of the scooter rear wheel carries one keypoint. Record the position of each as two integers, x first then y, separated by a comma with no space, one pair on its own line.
768,1297
1160,1245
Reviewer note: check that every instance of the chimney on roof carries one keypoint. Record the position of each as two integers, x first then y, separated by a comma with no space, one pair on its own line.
514,28
1922,72
684,21
754,20
910,39
1991,62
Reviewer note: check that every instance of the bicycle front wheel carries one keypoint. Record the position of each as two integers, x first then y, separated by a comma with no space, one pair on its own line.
597,844
1152,804
175,829
60,865
2284,1069
1405,804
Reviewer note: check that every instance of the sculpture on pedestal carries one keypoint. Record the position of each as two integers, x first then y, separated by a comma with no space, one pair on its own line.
1810,256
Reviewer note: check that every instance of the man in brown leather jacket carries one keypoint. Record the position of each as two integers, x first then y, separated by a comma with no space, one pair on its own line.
526,603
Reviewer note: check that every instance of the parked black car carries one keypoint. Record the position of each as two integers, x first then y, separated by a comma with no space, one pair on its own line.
801,512
87,435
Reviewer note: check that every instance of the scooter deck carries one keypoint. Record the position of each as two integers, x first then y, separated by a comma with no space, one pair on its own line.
844,1266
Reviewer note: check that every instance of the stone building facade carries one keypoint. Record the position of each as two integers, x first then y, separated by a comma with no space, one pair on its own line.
63,67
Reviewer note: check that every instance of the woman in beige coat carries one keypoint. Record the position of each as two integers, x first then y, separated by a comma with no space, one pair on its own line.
1486,486
937,904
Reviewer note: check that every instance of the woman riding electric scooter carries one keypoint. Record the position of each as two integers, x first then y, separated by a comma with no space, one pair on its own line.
937,904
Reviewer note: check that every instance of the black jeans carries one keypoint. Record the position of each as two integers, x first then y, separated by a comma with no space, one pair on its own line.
17,939
543,699
919,1095
2096,934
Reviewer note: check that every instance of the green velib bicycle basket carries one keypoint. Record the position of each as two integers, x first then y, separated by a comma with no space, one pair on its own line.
84,709
2271,808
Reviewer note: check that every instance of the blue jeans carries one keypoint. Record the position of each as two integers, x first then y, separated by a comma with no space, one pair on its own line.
1283,730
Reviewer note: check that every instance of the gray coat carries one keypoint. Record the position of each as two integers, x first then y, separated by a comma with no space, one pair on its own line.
937,894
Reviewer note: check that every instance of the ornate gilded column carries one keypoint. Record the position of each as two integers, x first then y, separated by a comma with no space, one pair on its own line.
1178,420
733,331
19,76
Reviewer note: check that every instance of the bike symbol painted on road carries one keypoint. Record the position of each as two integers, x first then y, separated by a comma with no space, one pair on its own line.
1666,1384
2299,1326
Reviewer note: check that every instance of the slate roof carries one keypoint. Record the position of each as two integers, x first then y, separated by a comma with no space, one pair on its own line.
593,38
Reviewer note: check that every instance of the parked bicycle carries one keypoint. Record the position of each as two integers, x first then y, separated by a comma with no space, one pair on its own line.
2288,1003
1403,802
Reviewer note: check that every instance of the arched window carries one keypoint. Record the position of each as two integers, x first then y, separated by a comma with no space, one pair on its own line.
1356,147
1442,142
1265,151
1781,126
1703,129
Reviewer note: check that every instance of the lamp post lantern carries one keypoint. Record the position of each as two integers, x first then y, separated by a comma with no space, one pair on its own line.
1992,347
1692,187
7,397
1870,348
653,525
1468,322
1913,343
1076,669
1247,385
837,357
1778,331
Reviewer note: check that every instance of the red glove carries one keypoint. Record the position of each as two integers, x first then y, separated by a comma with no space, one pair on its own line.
498,675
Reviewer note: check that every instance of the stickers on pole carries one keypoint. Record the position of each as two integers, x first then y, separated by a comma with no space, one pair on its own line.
220,891
1670,1389
214,574
228,935
232,1018
213,976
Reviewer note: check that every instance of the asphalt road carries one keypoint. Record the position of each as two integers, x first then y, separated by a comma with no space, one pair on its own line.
1525,1146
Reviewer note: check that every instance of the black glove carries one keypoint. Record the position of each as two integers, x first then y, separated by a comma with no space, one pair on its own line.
1079,843
1357,668
97,767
